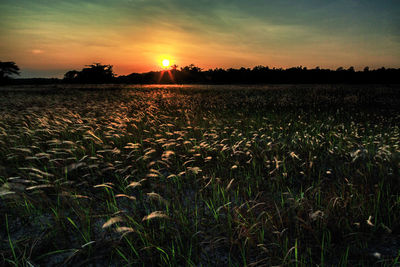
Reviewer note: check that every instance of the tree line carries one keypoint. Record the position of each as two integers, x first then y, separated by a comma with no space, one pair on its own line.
100,73
264,75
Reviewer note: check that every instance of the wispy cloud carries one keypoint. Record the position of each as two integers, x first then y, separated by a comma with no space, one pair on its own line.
37,51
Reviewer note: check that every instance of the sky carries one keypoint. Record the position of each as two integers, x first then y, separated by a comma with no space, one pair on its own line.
46,38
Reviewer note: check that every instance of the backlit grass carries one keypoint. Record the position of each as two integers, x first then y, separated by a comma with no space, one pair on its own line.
200,176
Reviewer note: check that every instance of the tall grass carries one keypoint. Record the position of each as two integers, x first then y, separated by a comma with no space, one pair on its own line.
200,176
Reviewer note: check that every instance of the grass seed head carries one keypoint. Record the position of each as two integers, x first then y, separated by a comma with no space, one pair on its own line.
112,221
155,215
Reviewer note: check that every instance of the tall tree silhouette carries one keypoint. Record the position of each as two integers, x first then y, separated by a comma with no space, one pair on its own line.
8,69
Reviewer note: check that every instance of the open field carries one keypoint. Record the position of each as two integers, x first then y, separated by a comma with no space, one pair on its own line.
200,176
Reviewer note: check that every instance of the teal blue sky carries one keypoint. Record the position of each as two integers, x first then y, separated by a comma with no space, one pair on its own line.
47,38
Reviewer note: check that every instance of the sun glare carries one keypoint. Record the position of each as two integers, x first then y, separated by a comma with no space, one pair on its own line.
165,63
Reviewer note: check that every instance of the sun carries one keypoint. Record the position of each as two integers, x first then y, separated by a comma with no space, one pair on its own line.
165,63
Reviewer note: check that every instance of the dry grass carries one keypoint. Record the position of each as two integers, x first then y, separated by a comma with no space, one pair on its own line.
200,176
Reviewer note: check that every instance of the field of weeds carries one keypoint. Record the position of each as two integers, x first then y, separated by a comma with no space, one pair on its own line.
200,176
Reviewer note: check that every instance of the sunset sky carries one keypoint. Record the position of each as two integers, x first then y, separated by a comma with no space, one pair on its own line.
46,38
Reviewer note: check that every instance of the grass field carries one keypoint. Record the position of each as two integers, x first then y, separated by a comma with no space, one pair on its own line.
200,176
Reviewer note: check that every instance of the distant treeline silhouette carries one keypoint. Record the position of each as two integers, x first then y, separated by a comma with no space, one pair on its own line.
262,74
99,73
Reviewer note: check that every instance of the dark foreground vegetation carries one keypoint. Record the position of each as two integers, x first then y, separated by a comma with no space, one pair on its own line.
200,176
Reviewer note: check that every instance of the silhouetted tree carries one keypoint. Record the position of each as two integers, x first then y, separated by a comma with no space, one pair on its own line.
94,73
191,68
97,73
7,69
71,75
